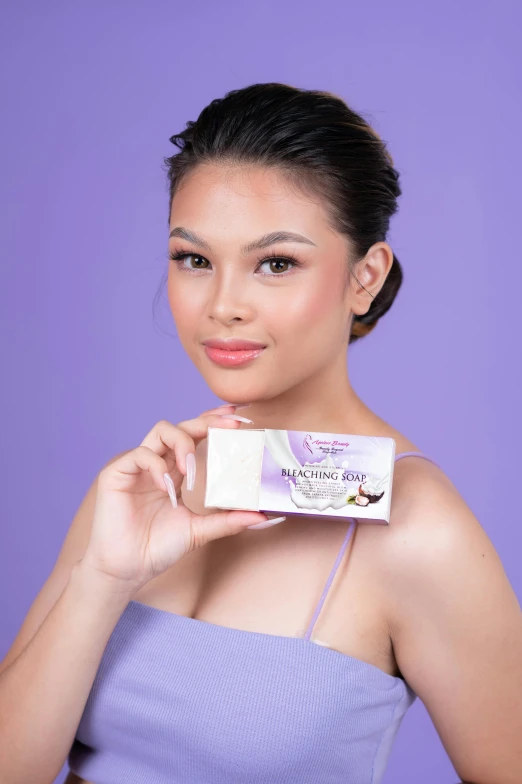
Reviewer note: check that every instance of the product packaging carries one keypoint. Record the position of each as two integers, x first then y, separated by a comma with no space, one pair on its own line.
327,475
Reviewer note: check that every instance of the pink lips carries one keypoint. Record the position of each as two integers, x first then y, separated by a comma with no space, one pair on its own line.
230,353
230,358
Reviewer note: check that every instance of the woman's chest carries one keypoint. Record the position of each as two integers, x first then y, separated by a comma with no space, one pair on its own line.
199,702
272,580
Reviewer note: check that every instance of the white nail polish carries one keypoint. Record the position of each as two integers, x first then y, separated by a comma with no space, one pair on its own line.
267,523
191,470
169,484
236,417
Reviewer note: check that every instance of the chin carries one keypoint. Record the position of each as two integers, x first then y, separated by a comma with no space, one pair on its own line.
235,393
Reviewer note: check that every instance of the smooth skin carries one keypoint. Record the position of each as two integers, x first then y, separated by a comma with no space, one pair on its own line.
450,616
136,533
454,619
126,534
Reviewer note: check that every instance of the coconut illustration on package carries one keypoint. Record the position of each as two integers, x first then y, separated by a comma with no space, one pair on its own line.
366,495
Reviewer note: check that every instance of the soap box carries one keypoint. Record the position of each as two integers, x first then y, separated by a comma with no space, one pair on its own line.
327,475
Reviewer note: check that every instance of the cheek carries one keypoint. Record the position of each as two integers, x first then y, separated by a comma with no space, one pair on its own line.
314,309
185,315
184,308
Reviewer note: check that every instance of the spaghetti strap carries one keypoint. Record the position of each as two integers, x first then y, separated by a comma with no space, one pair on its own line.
344,545
415,454
331,577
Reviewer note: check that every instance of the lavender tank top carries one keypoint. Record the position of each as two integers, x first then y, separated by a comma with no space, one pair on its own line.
177,700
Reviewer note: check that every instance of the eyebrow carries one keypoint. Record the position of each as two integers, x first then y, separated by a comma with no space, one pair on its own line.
261,242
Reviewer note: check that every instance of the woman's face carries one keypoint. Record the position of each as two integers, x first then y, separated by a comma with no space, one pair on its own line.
298,306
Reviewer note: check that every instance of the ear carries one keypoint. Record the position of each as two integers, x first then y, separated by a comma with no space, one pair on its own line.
368,276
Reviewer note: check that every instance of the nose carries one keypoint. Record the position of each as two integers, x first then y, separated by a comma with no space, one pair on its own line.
228,300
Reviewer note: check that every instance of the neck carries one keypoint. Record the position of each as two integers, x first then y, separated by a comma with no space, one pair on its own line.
325,403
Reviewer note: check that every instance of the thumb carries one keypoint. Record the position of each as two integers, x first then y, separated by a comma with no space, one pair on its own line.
206,528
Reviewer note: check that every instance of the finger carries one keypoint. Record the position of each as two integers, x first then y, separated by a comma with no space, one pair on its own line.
205,528
166,437
134,462
224,408
183,437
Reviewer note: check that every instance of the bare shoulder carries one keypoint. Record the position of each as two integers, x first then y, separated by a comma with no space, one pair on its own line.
432,532
420,490
429,518
454,621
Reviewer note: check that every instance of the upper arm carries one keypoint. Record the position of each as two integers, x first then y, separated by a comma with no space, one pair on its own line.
456,627
72,550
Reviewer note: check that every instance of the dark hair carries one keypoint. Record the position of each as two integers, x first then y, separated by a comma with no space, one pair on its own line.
322,146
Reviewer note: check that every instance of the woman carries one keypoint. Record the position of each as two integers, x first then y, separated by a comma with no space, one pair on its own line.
183,645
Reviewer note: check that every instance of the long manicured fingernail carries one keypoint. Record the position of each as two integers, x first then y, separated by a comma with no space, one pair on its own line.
169,484
236,417
267,523
190,460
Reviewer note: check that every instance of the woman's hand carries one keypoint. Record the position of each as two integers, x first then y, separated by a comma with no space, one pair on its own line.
136,533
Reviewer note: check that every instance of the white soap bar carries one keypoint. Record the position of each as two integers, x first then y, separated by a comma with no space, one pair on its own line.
234,459
298,472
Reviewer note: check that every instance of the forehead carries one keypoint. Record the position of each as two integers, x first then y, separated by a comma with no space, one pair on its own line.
215,192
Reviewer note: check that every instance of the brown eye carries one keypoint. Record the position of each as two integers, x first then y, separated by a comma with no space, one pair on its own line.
278,264
180,257
275,264
199,258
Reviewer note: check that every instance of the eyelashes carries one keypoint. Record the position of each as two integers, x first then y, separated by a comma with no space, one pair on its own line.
178,257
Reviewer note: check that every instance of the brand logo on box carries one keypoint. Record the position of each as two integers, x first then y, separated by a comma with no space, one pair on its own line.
309,440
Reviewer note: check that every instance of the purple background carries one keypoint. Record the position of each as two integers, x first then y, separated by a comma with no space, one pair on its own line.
91,92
